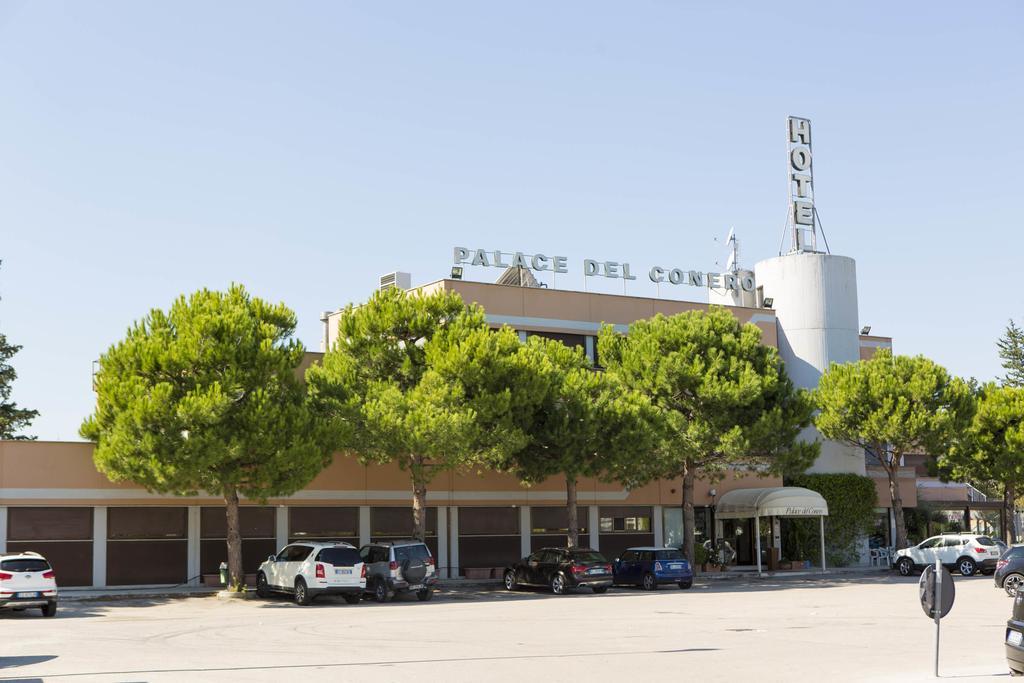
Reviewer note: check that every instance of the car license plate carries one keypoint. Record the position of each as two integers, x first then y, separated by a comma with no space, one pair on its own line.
1014,637
675,566
26,595
342,571
417,587
596,570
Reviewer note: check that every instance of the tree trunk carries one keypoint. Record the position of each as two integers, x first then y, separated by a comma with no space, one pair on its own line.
897,505
572,539
419,500
1009,504
236,578
688,522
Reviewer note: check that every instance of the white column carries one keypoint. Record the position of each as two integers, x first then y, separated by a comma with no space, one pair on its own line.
593,521
522,336
442,541
281,527
99,546
193,545
757,542
3,528
454,547
364,525
659,526
821,522
589,347
525,530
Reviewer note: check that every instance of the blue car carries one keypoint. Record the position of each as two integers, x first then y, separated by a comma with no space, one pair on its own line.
650,567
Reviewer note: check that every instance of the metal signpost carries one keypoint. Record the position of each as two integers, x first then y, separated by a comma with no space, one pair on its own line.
937,593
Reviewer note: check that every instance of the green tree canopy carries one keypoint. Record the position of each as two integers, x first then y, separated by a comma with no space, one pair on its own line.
381,397
207,397
12,418
893,405
1011,351
991,450
577,422
723,397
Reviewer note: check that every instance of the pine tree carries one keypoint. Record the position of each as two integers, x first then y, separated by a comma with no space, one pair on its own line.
1011,350
207,397
892,405
723,398
12,418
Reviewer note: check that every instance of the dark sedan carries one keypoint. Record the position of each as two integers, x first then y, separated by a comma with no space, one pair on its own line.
562,570
1015,637
1009,574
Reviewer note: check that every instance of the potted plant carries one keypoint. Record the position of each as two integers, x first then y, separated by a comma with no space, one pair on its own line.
700,558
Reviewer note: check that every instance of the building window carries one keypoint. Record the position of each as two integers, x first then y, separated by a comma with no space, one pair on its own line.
611,525
567,339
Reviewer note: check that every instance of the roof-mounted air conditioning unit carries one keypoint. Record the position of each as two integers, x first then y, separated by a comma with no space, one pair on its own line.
396,279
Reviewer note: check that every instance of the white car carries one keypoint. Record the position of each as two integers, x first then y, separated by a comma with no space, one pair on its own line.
965,553
28,580
308,570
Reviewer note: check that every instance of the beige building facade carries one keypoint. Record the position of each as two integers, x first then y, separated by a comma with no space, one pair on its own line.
53,500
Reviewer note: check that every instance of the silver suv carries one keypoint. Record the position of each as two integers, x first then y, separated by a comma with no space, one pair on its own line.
394,567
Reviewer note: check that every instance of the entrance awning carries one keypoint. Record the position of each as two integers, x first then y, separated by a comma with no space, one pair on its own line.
781,501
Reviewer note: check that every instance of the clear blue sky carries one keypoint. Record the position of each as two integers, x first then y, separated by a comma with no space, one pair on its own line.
305,148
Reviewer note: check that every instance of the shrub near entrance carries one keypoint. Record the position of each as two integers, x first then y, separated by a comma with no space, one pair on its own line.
851,502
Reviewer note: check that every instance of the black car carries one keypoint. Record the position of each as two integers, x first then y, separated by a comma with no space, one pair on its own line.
1009,574
562,569
1015,637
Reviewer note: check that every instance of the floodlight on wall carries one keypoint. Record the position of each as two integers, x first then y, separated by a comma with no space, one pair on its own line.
456,272
768,302
866,329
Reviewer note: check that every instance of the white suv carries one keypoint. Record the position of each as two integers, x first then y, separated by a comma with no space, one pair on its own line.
966,553
307,570
27,580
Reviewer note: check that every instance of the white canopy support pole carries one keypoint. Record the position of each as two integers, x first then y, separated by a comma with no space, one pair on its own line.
821,523
757,541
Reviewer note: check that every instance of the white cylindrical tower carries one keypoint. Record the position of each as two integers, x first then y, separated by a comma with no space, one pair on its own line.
815,300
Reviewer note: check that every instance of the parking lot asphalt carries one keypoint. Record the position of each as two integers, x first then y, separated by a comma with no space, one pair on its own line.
855,628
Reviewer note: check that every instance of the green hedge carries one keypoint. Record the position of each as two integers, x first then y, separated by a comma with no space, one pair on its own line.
851,499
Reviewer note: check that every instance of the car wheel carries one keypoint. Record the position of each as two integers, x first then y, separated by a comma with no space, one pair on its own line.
685,585
600,589
424,595
380,592
50,610
352,598
262,589
967,566
649,583
558,585
302,592
905,566
510,581
1012,583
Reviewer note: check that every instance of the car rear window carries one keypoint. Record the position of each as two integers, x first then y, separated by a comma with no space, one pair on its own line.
668,555
25,565
1015,551
588,556
339,557
985,540
411,552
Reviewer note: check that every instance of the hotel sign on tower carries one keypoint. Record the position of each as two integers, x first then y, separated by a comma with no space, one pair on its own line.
802,216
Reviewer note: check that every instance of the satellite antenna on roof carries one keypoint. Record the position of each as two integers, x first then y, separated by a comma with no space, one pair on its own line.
732,264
